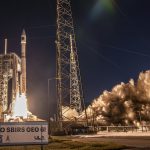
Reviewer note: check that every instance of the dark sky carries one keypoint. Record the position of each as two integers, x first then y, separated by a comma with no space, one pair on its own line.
113,39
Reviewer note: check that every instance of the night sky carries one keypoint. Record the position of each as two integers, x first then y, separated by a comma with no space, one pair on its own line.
113,40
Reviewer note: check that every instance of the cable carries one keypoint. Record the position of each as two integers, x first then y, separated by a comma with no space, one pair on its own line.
118,48
102,56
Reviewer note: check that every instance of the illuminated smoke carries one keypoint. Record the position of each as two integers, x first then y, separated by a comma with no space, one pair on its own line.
69,114
19,111
20,107
126,104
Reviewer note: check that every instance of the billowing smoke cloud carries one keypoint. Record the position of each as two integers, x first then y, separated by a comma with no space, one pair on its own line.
126,104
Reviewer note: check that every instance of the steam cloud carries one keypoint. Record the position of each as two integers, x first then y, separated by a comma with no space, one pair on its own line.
69,114
126,104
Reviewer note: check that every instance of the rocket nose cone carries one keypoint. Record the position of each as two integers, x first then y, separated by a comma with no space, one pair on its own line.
23,32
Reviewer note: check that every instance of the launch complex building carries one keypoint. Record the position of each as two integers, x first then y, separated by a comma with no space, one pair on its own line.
12,73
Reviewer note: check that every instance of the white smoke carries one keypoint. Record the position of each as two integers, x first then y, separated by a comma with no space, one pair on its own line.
69,114
126,104
18,111
20,106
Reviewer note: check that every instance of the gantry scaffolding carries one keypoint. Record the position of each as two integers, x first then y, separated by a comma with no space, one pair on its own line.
69,87
9,69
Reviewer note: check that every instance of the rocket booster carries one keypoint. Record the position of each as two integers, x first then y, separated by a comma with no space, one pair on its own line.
23,62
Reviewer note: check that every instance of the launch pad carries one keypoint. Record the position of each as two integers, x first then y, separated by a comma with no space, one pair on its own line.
13,97
18,126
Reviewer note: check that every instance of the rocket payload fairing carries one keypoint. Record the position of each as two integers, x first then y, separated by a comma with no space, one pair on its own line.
23,63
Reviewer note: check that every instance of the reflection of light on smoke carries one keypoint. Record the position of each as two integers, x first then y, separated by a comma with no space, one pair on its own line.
69,114
19,111
126,104
20,106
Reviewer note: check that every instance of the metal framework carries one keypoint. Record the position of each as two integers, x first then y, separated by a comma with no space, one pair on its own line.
5,75
75,96
9,69
69,88
12,67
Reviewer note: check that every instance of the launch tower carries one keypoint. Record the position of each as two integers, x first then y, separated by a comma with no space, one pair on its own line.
69,88
9,70
12,70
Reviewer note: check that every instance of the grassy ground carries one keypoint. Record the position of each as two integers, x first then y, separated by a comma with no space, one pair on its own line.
66,143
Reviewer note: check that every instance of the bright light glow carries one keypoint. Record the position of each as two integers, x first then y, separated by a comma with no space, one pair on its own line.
20,106
101,7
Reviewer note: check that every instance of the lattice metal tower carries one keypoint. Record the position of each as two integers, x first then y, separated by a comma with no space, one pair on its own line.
9,69
75,93
69,88
5,75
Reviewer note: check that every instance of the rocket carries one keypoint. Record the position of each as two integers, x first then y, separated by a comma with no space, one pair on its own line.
23,63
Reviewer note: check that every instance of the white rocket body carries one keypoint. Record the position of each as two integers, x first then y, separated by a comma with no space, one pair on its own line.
23,63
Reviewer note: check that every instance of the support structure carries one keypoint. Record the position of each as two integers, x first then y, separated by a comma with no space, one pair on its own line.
5,75
9,69
75,93
69,88
12,68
